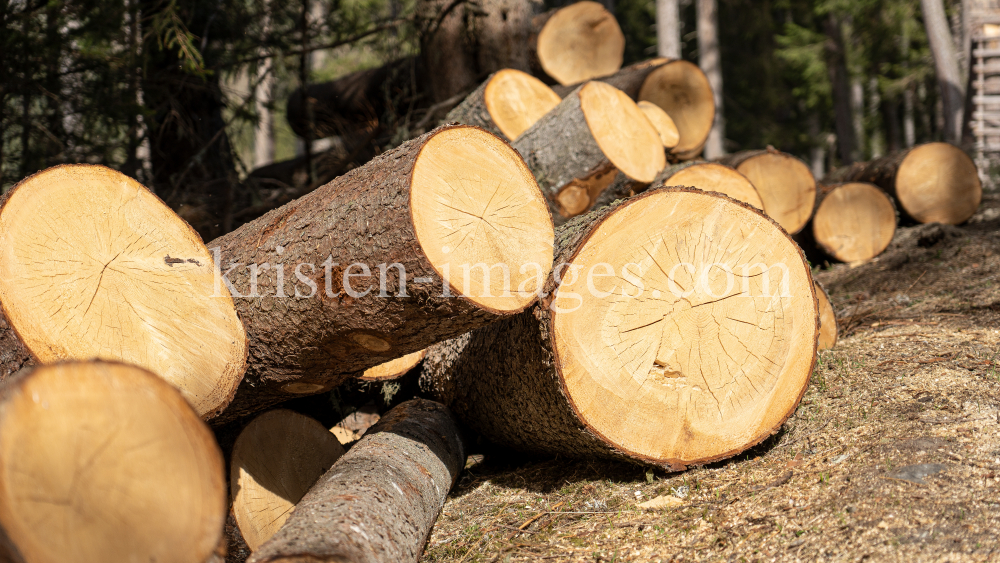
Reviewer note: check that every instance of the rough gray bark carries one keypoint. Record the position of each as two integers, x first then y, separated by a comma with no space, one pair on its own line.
710,62
14,355
305,340
949,75
379,501
559,149
628,79
472,111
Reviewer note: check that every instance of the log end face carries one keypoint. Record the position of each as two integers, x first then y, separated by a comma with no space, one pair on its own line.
938,183
854,222
622,131
664,125
827,320
580,42
682,90
515,100
714,177
786,187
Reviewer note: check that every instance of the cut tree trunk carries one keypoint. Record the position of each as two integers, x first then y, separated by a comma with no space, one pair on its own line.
785,184
680,89
647,350
393,369
105,462
94,265
579,42
506,104
357,103
378,502
854,222
664,125
576,149
932,183
711,177
275,460
434,238
827,319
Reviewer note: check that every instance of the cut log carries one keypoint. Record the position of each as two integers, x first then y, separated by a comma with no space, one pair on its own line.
359,101
393,369
785,184
441,235
854,222
105,462
276,459
378,502
507,104
576,149
683,331
580,42
827,319
677,87
94,265
665,126
932,183
711,177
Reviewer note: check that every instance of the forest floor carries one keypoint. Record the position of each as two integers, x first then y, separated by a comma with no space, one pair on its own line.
893,454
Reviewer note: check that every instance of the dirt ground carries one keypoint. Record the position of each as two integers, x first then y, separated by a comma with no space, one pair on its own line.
893,454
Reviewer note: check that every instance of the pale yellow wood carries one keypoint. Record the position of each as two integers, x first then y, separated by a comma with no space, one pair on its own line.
691,369
938,183
481,219
578,195
393,368
622,131
785,185
827,320
854,222
276,459
580,42
93,265
713,177
662,122
515,100
681,89
106,462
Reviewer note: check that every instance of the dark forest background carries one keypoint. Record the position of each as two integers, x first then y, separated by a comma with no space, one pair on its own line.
173,92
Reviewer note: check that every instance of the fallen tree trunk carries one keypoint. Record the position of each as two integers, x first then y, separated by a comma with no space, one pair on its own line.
854,222
380,500
506,104
647,350
441,235
677,87
105,462
932,183
94,265
275,460
578,42
576,150
827,338
785,184
358,102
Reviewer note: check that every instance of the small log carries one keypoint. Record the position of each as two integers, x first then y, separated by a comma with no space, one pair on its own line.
785,184
441,235
506,104
275,460
827,338
932,183
380,500
854,222
579,42
393,369
677,87
94,265
576,149
647,350
104,461
663,124
711,177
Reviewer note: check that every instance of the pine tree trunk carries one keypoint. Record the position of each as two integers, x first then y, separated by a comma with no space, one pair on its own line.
353,274
837,68
682,377
105,462
784,183
380,500
710,61
949,75
576,149
668,29
931,183
506,104
854,222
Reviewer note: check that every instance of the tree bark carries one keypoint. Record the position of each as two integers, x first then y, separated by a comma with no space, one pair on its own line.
710,62
294,273
934,182
534,382
837,68
668,29
949,75
380,500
